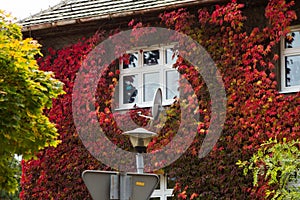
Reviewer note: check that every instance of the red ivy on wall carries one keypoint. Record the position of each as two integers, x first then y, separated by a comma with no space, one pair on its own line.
256,111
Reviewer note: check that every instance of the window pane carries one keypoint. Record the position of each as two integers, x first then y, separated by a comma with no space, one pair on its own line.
170,57
155,198
169,198
151,57
130,89
292,40
172,84
292,70
171,182
150,85
130,60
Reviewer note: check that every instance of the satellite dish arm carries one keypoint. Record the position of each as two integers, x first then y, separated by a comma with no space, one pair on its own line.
145,116
156,108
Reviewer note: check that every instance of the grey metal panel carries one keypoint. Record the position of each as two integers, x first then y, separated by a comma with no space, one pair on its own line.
98,183
143,185
104,185
114,187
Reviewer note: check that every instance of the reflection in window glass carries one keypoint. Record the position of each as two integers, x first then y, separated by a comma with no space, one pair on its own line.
171,182
130,89
292,70
151,57
172,84
150,85
292,40
130,60
170,57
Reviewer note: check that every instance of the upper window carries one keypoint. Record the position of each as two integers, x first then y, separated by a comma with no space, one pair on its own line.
290,61
142,72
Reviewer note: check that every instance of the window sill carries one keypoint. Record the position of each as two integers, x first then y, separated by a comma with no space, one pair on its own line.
290,91
146,105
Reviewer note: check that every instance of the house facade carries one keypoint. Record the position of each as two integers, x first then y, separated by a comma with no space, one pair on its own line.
151,68
67,22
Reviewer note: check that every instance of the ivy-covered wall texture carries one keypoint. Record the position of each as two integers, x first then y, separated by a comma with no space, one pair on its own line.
246,56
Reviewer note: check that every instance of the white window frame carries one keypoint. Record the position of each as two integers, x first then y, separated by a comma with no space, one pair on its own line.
288,52
163,192
162,68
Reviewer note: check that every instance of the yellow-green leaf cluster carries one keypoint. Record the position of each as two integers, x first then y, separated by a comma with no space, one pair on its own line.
278,163
25,91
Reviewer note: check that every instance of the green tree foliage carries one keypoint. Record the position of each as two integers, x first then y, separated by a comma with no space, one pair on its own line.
4,194
25,92
278,163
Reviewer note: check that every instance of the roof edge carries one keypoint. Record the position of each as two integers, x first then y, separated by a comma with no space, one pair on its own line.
113,15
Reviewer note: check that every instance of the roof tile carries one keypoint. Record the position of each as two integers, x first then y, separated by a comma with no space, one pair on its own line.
78,9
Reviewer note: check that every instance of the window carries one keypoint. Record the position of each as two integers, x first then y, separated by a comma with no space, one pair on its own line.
290,62
142,72
164,190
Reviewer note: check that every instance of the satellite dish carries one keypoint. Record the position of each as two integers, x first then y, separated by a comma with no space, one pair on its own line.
157,104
